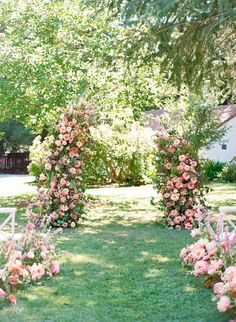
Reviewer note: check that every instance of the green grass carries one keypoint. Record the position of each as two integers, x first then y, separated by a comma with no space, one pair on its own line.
120,265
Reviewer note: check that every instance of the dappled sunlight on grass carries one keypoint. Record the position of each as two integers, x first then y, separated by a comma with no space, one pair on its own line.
119,265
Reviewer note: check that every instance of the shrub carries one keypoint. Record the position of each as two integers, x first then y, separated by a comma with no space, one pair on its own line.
212,169
121,153
228,173
38,152
179,181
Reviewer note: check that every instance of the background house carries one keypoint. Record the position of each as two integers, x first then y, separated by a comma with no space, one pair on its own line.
225,149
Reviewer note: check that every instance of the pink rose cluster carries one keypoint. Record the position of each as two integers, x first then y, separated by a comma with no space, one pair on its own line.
61,198
213,255
26,261
179,182
203,257
226,290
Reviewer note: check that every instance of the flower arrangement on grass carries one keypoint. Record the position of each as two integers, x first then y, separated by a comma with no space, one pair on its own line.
60,200
27,260
214,257
179,182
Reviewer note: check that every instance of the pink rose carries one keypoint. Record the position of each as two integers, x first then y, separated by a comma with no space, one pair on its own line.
176,142
219,289
55,268
211,248
168,166
167,195
42,177
193,163
200,268
177,227
183,253
195,233
72,170
174,197
182,157
48,166
171,149
223,304
30,226
29,255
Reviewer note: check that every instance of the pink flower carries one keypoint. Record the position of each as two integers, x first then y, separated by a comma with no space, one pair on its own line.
72,170
200,268
219,289
195,232
30,226
42,177
14,280
186,168
193,163
166,195
48,166
177,227
12,299
37,271
174,197
179,185
188,225
185,176
211,248
168,165
189,213
174,212
29,255
183,253
177,220
176,142
214,266
2,293
198,253
62,182
58,143
182,157
55,268
171,149
223,304
191,185
230,273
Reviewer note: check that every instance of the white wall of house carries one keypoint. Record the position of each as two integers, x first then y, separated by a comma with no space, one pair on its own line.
225,149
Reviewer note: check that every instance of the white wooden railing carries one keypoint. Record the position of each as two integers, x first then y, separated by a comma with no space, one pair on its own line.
11,219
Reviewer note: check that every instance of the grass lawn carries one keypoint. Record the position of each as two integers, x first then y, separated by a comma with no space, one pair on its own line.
120,265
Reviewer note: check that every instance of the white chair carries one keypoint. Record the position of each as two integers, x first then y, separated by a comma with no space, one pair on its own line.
11,218
223,216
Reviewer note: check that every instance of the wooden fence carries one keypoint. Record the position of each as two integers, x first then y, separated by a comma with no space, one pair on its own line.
14,163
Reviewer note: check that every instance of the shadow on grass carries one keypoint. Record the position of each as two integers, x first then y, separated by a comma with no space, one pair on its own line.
119,273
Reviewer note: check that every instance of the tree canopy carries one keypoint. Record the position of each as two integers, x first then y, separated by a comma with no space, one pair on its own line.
194,40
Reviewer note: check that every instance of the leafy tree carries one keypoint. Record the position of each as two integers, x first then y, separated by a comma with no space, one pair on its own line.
47,50
194,40
196,119
14,137
56,52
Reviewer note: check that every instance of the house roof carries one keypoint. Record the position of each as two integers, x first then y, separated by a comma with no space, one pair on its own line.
225,112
